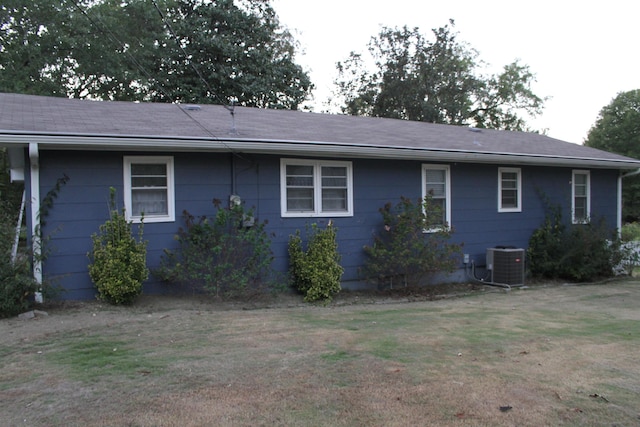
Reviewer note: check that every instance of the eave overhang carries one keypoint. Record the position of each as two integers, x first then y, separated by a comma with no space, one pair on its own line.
134,143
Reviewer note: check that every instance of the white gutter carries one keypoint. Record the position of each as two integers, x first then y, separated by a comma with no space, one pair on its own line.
306,148
36,238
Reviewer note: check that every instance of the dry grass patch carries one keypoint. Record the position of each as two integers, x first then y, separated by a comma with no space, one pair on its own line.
545,356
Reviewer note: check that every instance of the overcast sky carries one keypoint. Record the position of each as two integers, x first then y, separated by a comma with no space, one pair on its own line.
582,52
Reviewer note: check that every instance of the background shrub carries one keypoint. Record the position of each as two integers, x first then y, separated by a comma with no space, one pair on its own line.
630,232
118,262
576,252
227,255
411,244
316,271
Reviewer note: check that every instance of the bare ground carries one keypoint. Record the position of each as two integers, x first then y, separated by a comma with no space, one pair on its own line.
458,355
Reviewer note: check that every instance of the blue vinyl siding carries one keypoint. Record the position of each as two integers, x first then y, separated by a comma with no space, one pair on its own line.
81,206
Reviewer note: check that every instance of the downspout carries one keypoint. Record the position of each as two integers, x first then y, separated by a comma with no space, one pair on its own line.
34,161
623,175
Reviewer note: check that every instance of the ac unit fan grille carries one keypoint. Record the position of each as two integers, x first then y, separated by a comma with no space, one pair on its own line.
507,265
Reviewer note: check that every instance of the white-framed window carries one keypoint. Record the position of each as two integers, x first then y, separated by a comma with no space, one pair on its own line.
149,188
580,196
316,188
436,182
509,190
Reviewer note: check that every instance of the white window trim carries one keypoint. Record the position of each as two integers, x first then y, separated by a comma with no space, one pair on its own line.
518,171
171,214
573,196
317,187
447,202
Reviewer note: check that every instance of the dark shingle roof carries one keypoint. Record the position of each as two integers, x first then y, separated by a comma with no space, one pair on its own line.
48,116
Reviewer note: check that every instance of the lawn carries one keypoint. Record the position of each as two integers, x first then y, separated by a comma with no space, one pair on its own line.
543,356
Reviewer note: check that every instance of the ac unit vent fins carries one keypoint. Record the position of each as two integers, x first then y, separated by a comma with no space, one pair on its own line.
506,265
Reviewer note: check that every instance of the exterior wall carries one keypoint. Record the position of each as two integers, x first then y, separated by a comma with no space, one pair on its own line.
82,205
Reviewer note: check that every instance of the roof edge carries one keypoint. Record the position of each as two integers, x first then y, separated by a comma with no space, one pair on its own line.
307,148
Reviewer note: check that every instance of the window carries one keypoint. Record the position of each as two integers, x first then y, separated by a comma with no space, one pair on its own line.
509,190
316,188
149,189
581,196
436,183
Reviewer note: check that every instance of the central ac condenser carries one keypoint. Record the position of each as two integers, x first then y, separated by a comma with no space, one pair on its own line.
506,265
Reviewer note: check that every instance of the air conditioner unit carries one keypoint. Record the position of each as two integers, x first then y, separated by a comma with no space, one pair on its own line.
506,265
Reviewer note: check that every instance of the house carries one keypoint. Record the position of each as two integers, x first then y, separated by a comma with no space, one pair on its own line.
294,168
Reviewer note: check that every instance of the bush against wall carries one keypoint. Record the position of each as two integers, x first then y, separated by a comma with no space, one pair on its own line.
118,261
229,254
316,270
17,284
576,252
412,244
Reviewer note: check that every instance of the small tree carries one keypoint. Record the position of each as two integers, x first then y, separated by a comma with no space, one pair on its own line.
316,271
412,244
118,261
225,255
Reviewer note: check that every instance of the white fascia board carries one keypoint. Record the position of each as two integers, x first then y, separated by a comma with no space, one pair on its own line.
301,148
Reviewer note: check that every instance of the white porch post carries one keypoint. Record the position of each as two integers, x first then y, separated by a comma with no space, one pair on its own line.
35,216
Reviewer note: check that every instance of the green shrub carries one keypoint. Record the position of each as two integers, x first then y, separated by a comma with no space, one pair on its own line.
576,252
630,232
412,244
316,271
227,255
118,261
17,285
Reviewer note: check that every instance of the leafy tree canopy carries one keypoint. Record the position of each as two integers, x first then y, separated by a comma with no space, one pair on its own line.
151,50
617,129
434,81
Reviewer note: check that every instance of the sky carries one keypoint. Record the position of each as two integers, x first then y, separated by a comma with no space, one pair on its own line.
583,53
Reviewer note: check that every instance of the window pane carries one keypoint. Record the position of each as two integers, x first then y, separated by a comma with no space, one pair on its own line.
334,200
334,182
436,183
334,177
300,199
438,215
149,202
580,209
509,198
299,181
148,181
334,171
580,191
299,170
334,189
148,169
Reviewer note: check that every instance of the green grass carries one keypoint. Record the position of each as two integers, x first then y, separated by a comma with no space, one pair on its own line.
93,357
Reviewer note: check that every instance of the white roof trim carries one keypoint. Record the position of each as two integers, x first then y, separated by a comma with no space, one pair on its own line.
298,148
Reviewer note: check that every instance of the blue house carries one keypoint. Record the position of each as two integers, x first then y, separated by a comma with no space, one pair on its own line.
294,168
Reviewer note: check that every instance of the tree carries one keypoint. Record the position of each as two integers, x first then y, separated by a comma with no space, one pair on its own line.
151,50
617,129
434,81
